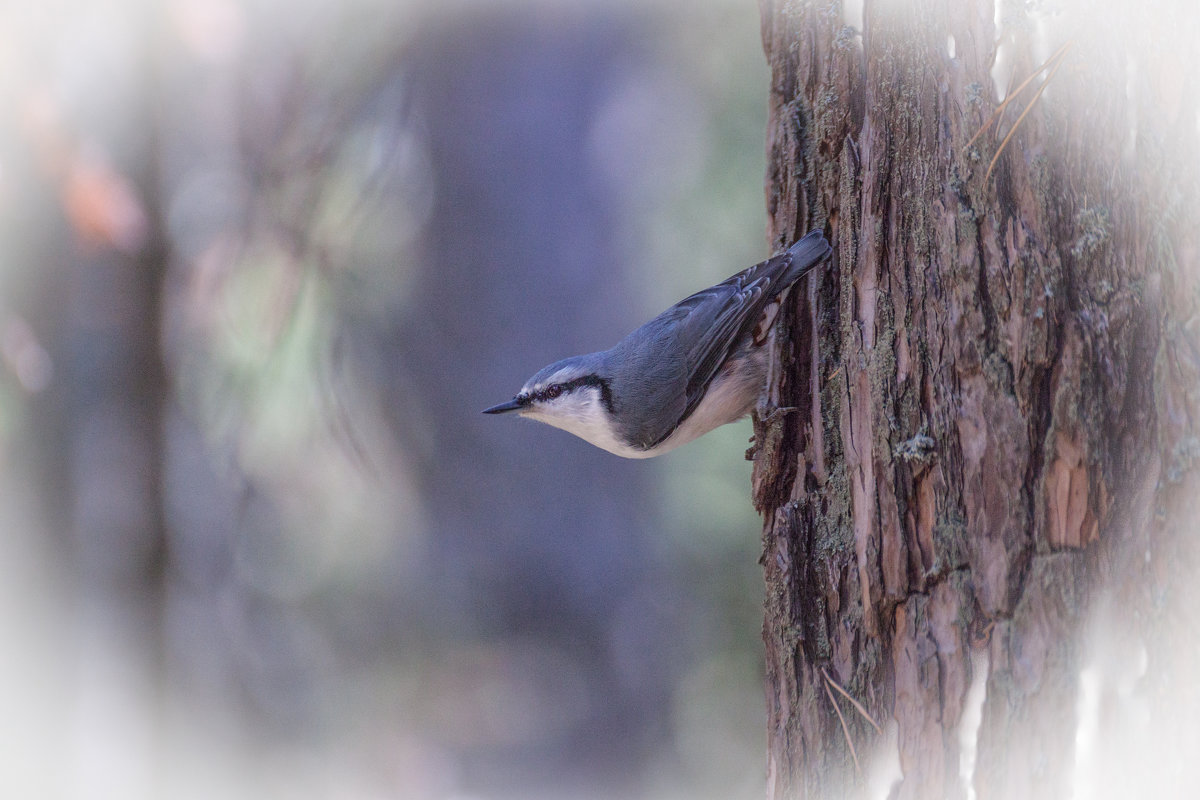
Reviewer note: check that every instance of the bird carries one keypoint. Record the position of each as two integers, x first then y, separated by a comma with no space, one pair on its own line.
698,365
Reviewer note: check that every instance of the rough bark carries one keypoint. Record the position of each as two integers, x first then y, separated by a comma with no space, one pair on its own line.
988,388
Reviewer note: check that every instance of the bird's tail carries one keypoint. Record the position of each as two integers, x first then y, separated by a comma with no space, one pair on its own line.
806,253
787,268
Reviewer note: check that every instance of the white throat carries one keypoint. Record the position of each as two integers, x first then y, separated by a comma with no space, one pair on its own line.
582,413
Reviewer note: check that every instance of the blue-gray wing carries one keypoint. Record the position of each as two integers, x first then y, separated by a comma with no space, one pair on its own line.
701,331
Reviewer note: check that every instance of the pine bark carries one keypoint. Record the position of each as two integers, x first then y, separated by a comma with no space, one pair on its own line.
985,409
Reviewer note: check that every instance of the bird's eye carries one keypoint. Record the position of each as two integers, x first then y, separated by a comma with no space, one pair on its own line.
553,391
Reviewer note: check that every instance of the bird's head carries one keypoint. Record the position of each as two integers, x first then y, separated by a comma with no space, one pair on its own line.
575,395
571,388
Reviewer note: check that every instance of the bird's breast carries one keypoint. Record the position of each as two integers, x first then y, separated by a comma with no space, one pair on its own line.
731,395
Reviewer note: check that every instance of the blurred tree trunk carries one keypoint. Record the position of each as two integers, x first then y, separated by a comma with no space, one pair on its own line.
102,418
502,562
996,388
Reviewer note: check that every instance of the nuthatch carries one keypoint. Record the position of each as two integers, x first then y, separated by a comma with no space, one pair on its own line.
698,365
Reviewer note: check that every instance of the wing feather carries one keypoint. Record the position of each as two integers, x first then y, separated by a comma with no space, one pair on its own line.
711,322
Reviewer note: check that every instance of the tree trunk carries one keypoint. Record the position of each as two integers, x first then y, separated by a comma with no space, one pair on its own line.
983,474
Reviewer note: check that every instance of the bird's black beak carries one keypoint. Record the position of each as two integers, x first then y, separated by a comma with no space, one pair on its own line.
504,408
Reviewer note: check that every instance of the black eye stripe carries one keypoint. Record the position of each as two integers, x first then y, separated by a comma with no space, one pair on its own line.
556,389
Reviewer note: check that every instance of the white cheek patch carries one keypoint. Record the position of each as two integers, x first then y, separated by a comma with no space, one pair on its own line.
580,413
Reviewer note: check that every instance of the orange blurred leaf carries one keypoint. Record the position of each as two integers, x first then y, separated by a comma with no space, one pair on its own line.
103,205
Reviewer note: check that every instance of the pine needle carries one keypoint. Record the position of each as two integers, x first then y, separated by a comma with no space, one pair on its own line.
857,705
1011,95
845,729
1024,113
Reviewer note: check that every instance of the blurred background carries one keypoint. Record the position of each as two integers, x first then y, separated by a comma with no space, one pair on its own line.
262,264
